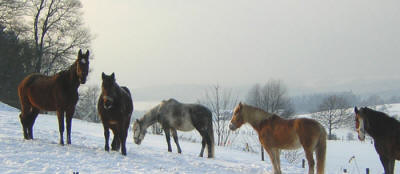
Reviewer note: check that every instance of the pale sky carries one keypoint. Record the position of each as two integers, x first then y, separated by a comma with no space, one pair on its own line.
307,44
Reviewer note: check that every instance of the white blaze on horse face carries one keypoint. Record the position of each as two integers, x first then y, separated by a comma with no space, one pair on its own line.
83,61
360,129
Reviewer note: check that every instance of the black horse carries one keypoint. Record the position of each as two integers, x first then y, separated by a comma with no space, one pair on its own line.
384,130
115,109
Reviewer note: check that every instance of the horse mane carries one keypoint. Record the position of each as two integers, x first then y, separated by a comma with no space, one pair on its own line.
69,73
265,113
258,117
379,123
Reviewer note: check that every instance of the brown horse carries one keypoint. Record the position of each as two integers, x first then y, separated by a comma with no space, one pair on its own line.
115,109
276,133
52,93
384,130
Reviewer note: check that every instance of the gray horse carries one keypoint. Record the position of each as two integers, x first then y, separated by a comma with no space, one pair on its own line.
173,115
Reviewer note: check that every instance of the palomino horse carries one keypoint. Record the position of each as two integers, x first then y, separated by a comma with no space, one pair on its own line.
115,109
384,130
173,115
52,93
276,133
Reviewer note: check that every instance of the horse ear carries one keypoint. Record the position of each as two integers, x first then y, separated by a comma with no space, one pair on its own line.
80,53
356,110
103,75
113,76
87,54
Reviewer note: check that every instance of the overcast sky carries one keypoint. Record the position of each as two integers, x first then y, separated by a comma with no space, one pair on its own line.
311,44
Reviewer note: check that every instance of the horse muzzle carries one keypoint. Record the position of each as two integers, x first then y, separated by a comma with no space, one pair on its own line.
108,102
82,80
137,141
361,135
107,106
232,126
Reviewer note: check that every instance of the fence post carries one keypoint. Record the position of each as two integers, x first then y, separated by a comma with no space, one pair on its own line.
303,163
367,170
262,153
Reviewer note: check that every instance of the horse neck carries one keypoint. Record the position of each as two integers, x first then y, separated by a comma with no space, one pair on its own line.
150,119
370,126
69,76
255,116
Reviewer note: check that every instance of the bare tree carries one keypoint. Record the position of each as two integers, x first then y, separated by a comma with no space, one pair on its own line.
272,97
333,113
57,32
220,102
86,109
10,10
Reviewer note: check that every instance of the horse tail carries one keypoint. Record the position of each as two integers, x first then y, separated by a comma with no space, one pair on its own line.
22,87
321,152
211,135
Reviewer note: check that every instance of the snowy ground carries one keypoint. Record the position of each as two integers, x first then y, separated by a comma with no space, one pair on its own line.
86,154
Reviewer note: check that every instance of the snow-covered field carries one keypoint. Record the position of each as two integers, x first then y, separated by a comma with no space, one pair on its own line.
86,154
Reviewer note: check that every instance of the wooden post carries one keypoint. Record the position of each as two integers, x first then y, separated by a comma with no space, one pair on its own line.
367,170
262,153
303,163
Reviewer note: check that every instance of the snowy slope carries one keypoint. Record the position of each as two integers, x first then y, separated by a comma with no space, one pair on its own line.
86,154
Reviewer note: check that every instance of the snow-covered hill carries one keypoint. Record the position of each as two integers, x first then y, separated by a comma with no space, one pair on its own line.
86,154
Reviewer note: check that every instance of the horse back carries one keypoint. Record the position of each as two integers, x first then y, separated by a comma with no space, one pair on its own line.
289,133
127,99
39,91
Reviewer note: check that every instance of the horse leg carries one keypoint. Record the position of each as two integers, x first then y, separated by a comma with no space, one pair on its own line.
122,138
69,115
310,160
278,159
272,157
168,138
23,117
115,145
391,165
203,145
106,137
34,114
25,112
209,146
386,164
60,116
175,136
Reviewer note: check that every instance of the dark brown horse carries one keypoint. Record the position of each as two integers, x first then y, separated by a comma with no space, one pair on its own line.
276,133
115,109
52,93
384,130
